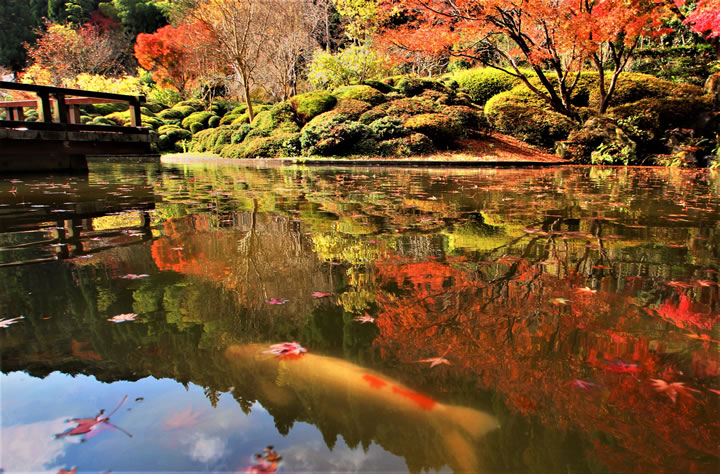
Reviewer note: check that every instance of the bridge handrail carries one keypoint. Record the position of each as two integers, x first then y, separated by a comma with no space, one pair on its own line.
68,112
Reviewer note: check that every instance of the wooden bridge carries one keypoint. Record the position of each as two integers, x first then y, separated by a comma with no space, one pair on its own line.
58,141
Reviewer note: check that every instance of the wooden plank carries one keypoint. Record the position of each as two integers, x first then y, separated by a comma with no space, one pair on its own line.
14,86
71,127
16,113
68,100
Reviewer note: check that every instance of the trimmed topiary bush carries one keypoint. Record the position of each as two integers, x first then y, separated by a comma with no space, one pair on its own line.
632,87
528,123
195,127
200,118
312,104
240,133
101,121
386,128
170,135
440,128
146,111
196,104
379,85
105,109
280,144
174,113
411,145
155,107
214,121
280,118
401,108
122,119
360,92
212,139
468,118
410,86
330,135
483,83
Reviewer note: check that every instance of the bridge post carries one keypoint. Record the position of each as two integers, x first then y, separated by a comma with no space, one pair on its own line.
44,107
16,113
62,109
74,113
135,114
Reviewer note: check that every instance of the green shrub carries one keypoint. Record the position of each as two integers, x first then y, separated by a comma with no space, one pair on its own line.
632,87
212,139
175,133
528,123
166,97
154,107
101,121
146,111
196,104
331,136
620,150
386,128
105,109
410,86
122,119
195,127
401,108
583,141
240,133
467,118
440,128
239,119
280,118
85,119
178,112
483,83
214,121
379,85
661,114
200,118
349,109
352,64
311,104
360,92
280,144
411,145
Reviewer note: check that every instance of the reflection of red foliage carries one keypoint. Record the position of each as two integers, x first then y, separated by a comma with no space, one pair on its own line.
686,314
77,351
521,344
199,254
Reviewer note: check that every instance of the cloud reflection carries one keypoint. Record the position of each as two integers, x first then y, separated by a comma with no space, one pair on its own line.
32,447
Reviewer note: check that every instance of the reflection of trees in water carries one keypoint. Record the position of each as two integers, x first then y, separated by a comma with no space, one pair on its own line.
481,269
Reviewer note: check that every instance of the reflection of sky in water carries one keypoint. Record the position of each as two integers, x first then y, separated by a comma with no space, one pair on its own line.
173,429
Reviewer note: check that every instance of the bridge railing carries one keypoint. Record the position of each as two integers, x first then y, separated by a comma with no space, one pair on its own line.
66,104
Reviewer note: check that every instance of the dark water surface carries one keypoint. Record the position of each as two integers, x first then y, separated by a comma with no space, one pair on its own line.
554,321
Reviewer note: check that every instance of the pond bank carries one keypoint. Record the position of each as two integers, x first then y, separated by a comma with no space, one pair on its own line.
496,151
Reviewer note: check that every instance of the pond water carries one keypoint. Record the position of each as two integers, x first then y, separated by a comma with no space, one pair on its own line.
539,320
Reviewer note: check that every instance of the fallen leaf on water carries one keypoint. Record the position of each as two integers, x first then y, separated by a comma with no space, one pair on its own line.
366,318
93,426
701,337
583,385
673,389
286,350
7,322
586,290
559,301
121,318
717,392
437,360
182,419
622,367
65,471
320,294
132,276
276,301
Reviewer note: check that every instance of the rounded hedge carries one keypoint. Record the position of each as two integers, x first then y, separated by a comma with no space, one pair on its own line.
360,92
200,118
311,104
440,128
483,83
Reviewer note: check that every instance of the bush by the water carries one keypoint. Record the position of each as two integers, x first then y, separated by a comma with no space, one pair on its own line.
483,83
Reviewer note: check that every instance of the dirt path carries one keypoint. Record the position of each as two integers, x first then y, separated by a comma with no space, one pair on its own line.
496,148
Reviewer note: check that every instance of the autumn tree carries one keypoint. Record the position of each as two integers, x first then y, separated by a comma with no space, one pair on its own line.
554,37
176,56
289,46
64,51
242,29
